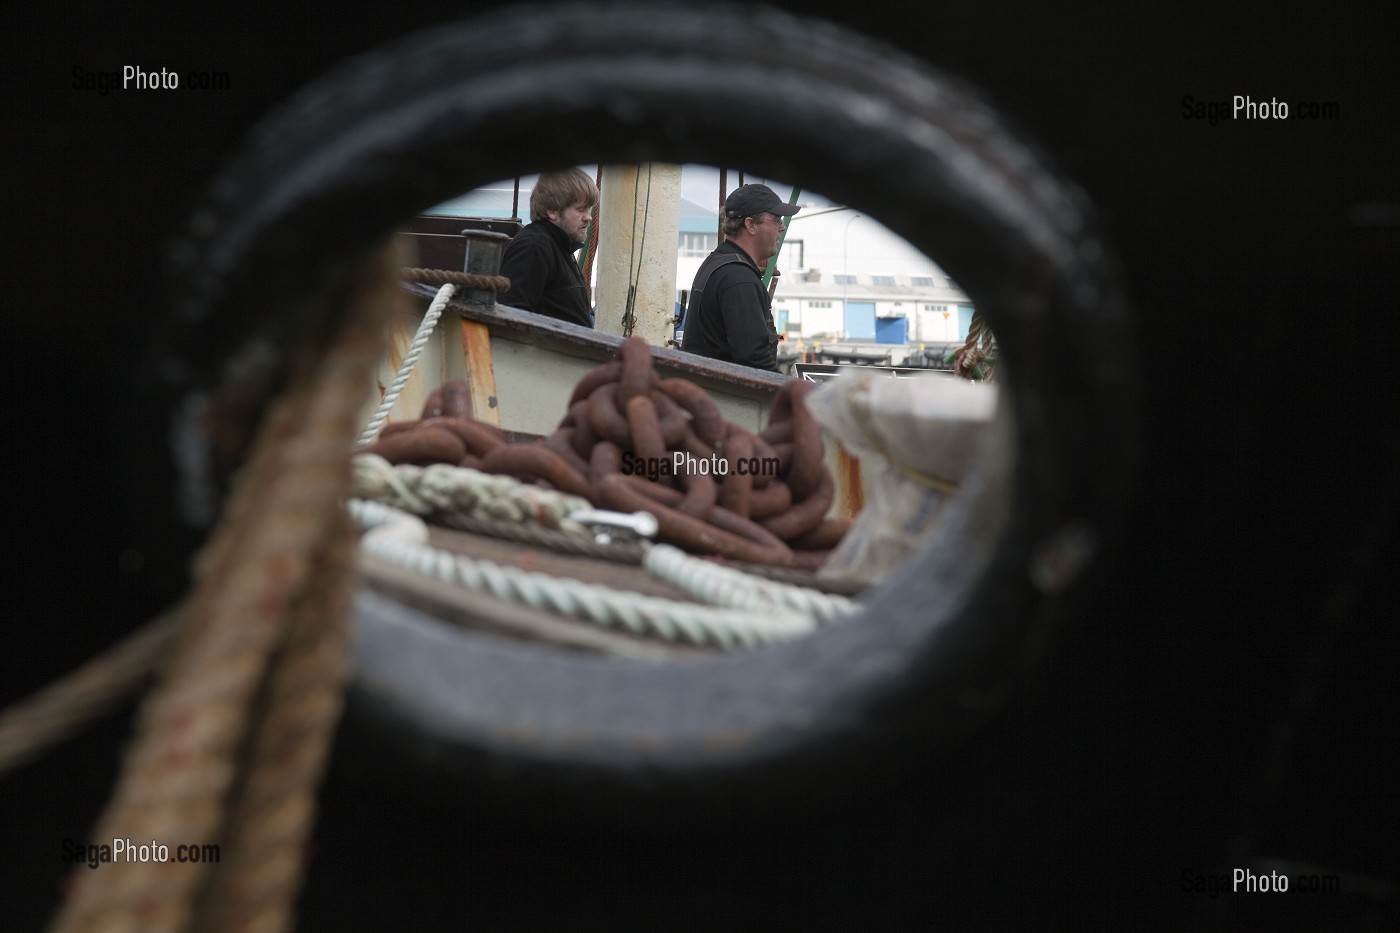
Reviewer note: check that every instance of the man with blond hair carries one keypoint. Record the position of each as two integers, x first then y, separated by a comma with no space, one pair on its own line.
539,261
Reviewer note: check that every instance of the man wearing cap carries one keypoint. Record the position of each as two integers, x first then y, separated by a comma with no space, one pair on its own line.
730,316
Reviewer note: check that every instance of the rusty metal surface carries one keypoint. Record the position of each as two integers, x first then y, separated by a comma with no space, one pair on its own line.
761,497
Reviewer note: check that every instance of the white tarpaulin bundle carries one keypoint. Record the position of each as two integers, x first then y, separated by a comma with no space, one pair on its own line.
915,439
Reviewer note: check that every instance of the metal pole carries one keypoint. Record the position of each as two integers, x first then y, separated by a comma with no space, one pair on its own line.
845,270
484,249
773,260
723,183
637,259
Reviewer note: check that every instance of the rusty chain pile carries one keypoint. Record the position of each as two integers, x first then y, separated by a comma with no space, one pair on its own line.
632,441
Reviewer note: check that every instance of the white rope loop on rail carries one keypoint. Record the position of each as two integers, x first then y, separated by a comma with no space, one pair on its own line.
445,489
465,492
401,538
415,349
725,586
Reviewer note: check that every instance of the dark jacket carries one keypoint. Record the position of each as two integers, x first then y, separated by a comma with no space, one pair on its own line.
543,276
730,315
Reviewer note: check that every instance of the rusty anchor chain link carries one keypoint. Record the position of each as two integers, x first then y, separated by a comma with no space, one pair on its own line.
631,441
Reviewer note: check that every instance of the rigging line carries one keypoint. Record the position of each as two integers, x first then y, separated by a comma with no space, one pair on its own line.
829,210
634,260
632,251
642,248
631,266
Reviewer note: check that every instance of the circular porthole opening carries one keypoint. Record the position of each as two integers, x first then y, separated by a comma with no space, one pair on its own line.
942,641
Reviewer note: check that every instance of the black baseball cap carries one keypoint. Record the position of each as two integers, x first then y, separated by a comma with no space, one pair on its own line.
747,200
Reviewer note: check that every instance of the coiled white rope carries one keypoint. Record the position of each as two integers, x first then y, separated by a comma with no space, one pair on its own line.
725,586
443,489
415,349
401,538
463,491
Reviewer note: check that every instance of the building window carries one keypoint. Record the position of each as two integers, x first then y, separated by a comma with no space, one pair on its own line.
698,244
921,280
935,307
883,279
818,304
845,279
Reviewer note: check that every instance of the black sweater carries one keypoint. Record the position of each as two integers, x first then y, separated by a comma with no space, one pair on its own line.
733,319
543,276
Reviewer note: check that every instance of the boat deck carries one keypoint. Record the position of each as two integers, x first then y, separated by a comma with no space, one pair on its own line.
495,617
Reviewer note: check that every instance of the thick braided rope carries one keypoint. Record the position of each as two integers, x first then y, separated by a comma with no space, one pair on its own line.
255,885
443,488
564,542
31,726
176,778
494,283
725,586
835,586
410,359
399,537
977,350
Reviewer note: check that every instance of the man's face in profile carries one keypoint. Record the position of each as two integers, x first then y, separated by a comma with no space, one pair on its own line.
573,220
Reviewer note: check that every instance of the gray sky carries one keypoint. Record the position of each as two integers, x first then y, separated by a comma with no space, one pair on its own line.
699,183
